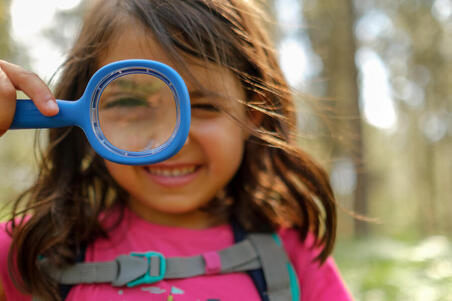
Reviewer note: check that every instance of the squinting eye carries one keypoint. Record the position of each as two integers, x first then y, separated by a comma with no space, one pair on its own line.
126,102
205,107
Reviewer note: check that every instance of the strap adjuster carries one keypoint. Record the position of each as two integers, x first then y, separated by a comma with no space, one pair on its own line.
147,278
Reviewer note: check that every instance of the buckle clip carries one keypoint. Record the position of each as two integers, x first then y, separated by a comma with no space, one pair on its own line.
147,278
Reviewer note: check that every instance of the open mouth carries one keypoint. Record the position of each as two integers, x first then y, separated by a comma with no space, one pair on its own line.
172,171
173,176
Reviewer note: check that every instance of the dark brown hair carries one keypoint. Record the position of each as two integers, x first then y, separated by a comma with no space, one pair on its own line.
277,184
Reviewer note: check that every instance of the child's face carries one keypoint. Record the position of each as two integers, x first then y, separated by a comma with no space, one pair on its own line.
173,191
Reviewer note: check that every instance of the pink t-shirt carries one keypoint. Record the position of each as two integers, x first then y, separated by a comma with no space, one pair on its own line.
135,234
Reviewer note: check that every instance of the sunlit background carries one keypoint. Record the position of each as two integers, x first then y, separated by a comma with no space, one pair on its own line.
30,21
374,95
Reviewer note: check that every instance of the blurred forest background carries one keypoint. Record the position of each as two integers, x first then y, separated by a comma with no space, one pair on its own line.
375,109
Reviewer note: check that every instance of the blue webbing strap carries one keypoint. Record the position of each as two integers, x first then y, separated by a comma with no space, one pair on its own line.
256,275
294,287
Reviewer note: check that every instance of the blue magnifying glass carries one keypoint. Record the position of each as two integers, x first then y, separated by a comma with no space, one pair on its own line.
133,112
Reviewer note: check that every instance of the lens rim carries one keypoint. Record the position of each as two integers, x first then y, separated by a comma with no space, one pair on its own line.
115,70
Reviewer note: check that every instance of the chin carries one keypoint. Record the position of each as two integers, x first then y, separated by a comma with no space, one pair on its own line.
175,206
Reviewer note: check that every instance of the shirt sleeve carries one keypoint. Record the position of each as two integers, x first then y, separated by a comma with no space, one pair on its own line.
9,288
317,282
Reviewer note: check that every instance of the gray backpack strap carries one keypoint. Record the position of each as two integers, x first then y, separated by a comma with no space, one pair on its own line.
258,251
274,263
123,269
237,258
150,267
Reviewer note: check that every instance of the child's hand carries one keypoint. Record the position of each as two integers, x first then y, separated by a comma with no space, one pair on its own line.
12,78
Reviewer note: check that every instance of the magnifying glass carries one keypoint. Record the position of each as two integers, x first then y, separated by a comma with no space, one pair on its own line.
133,112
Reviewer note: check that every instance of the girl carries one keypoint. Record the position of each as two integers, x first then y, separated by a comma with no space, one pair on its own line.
240,167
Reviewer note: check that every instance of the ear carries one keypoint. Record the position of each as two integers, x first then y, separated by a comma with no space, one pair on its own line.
255,116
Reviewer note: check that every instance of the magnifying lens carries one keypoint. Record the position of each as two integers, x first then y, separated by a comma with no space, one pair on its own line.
133,112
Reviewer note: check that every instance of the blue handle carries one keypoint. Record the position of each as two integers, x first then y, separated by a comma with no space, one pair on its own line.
27,115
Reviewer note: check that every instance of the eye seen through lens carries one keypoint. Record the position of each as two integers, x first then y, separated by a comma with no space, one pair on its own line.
137,112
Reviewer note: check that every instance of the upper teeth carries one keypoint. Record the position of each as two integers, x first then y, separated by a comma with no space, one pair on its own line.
172,172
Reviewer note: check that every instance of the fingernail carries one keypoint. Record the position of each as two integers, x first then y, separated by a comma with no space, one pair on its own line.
51,104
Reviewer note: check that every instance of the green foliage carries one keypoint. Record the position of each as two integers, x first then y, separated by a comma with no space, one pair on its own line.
394,270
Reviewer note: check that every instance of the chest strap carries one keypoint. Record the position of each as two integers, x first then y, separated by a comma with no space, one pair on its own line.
257,251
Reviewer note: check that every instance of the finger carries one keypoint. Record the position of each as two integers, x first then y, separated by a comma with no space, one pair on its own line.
33,86
7,102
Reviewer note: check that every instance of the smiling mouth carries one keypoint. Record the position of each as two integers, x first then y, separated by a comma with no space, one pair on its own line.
172,171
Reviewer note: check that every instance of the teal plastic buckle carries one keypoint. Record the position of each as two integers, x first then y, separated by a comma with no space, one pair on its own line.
147,278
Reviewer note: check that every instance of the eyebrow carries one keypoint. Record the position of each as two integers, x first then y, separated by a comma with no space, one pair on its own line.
135,86
108,93
202,94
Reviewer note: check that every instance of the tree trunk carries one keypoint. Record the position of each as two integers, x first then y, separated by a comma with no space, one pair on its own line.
331,26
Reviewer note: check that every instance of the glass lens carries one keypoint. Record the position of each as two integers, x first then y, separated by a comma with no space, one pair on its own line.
137,112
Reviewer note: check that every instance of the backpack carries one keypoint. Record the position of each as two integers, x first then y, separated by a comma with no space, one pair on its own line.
260,255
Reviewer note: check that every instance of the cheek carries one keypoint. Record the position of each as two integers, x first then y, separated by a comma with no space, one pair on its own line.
122,174
222,142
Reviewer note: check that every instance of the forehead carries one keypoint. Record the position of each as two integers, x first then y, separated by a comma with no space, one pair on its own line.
133,42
